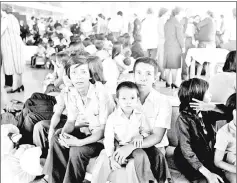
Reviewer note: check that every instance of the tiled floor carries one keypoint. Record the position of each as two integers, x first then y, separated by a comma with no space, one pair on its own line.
33,78
32,81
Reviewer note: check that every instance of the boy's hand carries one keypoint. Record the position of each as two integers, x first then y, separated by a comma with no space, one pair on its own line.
113,164
138,141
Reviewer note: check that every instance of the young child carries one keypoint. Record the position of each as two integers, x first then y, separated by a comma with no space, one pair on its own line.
54,82
126,125
61,43
89,47
75,46
101,52
226,144
49,51
40,54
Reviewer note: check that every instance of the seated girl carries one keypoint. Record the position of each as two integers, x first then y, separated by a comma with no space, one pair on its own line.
194,155
225,154
54,81
89,47
125,125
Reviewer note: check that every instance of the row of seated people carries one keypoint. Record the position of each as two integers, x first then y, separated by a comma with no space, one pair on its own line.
132,123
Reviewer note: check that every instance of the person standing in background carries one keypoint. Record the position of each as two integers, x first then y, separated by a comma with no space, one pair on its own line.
174,45
116,25
149,33
12,50
231,34
207,31
163,17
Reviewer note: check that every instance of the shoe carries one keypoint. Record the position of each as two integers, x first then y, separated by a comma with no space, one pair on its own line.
174,86
167,85
161,79
22,88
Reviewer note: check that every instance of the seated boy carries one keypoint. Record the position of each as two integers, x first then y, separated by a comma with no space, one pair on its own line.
40,54
226,144
126,125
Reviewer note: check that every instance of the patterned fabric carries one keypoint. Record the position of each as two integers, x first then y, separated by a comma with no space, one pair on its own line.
12,46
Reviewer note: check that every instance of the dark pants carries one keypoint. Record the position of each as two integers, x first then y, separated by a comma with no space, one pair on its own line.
41,131
142,166
68,165
159,166
37,108
8,80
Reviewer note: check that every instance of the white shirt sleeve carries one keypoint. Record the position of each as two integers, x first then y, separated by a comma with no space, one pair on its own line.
109,136
163,119
221,140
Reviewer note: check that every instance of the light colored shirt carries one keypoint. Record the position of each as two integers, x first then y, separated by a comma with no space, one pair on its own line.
97,107
122,129
222,85
91,49
226,141
116,24
158,111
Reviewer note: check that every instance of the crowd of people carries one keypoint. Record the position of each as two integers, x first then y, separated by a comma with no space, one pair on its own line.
100,99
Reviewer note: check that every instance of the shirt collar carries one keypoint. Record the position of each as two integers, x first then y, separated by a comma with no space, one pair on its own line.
91,91
121,113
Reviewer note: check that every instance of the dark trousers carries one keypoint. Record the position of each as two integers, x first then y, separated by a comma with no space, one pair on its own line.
142,166
68,165
159,166
41,131
37,108
8,80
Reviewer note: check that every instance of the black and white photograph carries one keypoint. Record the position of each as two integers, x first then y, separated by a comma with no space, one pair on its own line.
118,91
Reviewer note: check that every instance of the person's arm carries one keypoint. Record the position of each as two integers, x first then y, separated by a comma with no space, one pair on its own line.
219,155
163,122
221,146
95,137
184,128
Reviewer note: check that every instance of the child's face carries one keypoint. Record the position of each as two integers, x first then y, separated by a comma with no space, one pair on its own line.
144,75
207,97
127,99
80,75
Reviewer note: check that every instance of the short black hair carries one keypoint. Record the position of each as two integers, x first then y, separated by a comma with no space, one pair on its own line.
75,60
230,63
192,88
57,25
120,13
126,84
231,105
146,60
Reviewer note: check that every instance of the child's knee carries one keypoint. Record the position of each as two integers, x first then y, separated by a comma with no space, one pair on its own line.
138,153
231,177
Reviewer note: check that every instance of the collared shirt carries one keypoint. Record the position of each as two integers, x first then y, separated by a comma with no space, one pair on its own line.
122,129
96,107
158,111
226,141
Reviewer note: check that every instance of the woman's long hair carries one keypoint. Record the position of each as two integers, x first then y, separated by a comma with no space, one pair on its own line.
192,88
96,69
230,63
